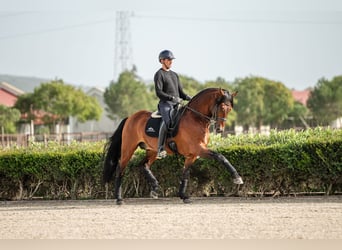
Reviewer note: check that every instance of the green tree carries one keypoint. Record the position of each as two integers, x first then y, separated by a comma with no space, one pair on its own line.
25,105
8,117
86,107
325,101
218,83
278,102
297,117
190,85
262,102
250,101
58,101
128,95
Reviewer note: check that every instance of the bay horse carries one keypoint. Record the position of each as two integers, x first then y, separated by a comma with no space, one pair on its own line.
210,105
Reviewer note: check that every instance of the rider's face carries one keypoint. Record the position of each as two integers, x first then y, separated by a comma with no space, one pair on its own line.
166,63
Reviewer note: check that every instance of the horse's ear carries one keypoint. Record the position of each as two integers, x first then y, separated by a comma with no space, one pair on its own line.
222,91
234,93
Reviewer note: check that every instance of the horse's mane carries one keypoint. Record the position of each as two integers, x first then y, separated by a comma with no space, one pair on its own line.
204,91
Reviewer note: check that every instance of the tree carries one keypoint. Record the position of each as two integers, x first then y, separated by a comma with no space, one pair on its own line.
262,101
325,101
278,102
190,85
250,101
58,101
25,104
128,95
218,83
86,107
8,117
296,117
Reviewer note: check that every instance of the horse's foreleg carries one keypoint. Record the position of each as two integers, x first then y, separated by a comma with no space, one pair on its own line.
118,189
220,158
146,166
185,180
152,180
183,186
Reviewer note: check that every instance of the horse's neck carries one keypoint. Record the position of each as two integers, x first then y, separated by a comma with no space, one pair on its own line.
204,104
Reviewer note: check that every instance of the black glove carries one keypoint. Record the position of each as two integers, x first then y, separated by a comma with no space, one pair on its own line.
188,98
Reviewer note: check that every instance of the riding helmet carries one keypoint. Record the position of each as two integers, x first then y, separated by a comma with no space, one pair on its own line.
166,54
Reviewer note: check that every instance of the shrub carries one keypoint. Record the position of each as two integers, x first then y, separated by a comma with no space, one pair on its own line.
284,162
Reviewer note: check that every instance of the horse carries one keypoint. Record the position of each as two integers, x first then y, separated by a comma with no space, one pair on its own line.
210,105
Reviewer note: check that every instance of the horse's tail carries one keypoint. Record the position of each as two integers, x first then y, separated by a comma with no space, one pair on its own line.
112,152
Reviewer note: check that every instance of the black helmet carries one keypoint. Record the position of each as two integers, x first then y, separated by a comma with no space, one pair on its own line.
166,54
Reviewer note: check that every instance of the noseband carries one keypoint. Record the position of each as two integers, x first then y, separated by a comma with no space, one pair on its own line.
213,119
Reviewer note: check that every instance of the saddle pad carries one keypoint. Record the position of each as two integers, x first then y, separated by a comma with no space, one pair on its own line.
156,114
152,127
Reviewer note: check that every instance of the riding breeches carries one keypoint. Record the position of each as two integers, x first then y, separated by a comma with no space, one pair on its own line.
165,109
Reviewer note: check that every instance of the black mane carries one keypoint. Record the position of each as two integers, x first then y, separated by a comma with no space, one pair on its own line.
226,98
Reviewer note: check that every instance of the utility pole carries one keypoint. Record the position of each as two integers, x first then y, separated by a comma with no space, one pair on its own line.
123,48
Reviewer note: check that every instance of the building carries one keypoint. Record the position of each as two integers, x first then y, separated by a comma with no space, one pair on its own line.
301,96
9,94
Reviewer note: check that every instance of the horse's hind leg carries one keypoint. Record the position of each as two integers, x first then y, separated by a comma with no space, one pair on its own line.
120,169
118,189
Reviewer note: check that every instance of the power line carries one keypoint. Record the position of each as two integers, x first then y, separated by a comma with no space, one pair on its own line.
179,18
12,13
236,20
56,29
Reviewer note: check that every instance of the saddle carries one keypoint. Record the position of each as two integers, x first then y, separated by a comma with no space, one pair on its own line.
153,124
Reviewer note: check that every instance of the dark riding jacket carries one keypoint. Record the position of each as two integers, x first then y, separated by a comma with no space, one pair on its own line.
167,86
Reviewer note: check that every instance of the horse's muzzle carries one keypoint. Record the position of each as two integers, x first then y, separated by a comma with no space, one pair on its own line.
219,130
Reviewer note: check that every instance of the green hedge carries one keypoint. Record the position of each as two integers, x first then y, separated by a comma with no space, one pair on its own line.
52,175
282,163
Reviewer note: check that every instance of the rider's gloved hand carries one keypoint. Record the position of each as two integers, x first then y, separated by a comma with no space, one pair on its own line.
177,99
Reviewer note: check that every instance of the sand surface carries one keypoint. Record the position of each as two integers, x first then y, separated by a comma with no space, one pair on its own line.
206,218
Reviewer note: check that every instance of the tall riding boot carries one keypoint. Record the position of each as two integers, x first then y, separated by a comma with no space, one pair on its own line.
161,141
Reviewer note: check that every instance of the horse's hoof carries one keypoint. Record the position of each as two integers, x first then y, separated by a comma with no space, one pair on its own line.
187,201
119,202
154,194
238,180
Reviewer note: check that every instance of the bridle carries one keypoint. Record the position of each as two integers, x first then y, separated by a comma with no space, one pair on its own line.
213,119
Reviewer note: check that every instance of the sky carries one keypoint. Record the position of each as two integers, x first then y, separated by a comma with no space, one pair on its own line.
296,42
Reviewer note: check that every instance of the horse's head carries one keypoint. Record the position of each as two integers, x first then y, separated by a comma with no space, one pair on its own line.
224,104
213,105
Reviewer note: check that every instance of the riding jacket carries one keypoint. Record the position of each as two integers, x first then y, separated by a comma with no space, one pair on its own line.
167,86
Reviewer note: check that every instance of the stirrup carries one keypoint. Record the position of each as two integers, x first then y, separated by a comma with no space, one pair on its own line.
161,154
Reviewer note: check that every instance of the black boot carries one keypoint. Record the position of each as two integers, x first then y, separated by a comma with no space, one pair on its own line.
161,141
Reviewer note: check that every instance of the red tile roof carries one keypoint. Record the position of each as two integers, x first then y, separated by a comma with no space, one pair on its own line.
301,96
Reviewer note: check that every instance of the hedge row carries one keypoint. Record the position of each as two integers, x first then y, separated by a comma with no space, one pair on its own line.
74,172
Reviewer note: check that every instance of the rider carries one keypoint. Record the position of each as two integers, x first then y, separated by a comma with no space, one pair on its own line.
170,93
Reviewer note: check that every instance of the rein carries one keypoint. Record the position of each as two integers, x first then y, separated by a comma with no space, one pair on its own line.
214,119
